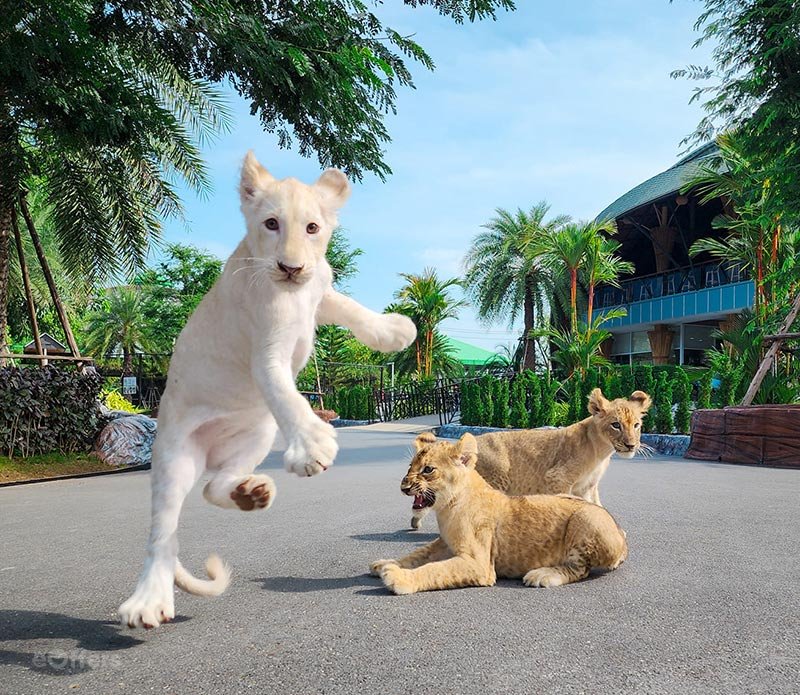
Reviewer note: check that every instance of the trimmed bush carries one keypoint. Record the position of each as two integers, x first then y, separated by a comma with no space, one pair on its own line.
663,404
547,410
681,393
535,399
519,405
643,378
704,395
501,415
627,382
486,391
47,410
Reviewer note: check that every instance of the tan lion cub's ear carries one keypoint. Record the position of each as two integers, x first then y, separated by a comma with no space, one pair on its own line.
597,402
254,177
423,440
642,399
467,450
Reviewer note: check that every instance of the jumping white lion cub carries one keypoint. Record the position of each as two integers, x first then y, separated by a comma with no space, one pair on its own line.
231,381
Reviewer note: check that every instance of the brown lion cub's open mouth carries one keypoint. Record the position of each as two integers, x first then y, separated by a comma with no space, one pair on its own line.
422,501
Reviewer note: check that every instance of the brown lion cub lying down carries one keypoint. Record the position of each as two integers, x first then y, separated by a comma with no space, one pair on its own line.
568,460
548,540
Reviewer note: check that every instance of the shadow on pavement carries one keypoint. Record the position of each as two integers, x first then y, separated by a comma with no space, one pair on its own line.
96,642
301,585
404,536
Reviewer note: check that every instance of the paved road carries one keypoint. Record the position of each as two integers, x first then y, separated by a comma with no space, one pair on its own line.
707,602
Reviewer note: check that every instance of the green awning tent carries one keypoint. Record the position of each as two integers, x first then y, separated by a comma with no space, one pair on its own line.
471,355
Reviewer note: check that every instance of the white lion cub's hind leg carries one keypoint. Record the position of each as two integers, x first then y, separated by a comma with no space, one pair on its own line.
234,457
175,470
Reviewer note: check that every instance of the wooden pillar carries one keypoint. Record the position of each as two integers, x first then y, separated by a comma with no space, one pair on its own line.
663,240
661,343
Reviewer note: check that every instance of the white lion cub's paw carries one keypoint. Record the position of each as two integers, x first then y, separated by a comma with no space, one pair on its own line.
152,603
376,567
312,448
393,333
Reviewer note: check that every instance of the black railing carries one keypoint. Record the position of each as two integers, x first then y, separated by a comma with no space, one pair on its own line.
677,281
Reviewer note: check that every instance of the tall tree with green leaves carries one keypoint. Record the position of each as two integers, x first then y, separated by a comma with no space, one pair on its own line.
118,325
505,275
427,301
602,264
108,101
752,87
564,251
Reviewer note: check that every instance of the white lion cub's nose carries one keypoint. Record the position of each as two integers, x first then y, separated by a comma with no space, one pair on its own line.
290,270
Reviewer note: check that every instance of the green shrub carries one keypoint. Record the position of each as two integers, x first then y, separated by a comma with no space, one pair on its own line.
612,385
486,388
547,410
663,404
627,382
519,403
643,378
704,395
116,401
681,393
501,415
535,402
470,403
43,410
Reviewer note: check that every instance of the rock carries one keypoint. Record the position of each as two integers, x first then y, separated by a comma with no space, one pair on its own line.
126,441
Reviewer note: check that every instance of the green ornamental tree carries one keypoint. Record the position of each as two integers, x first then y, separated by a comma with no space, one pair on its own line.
520,417
664,422
501,414
704,395
681,393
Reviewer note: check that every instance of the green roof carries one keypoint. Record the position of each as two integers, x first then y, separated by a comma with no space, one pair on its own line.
471,355
666,183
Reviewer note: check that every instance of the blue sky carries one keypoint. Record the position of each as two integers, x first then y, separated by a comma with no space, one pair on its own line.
570,102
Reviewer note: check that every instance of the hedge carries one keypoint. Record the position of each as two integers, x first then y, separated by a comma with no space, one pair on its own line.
43,410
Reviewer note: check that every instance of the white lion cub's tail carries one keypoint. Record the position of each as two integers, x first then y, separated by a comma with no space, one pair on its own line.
219,576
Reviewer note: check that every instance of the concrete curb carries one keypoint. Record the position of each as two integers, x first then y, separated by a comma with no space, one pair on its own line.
73,476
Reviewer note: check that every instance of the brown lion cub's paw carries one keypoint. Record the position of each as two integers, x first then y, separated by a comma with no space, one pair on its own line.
376,567
397,580
544,577
254,492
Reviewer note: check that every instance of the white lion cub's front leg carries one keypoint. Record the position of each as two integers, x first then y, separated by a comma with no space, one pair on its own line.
312,442
383,332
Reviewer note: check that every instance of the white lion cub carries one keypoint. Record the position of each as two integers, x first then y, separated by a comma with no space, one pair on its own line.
231,381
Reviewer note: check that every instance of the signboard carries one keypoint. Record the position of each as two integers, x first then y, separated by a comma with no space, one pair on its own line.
129,385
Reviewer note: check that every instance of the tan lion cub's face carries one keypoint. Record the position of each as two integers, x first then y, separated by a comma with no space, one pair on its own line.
620,420
289,223
437,467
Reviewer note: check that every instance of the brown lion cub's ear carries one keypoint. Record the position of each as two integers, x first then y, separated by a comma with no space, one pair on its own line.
597,402
642,399
467,450
423,440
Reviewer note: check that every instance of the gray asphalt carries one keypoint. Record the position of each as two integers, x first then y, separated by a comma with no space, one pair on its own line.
707,602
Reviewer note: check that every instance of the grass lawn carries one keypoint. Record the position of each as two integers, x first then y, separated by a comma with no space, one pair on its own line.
49,466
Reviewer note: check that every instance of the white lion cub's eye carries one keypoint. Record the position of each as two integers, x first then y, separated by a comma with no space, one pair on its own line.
616,425
312,228
271,223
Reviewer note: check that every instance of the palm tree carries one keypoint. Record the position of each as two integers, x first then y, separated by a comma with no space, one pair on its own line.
504,274
602,265
118,324
564,251
426,301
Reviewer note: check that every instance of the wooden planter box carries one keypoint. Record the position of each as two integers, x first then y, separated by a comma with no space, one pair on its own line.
765,435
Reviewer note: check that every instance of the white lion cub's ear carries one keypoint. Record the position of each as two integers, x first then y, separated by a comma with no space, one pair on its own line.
467,450
254,178
597,402
334,187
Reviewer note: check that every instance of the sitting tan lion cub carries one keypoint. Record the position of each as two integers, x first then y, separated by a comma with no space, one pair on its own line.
548,540
569,460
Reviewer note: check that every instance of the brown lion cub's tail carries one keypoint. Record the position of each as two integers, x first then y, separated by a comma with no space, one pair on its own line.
219,576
